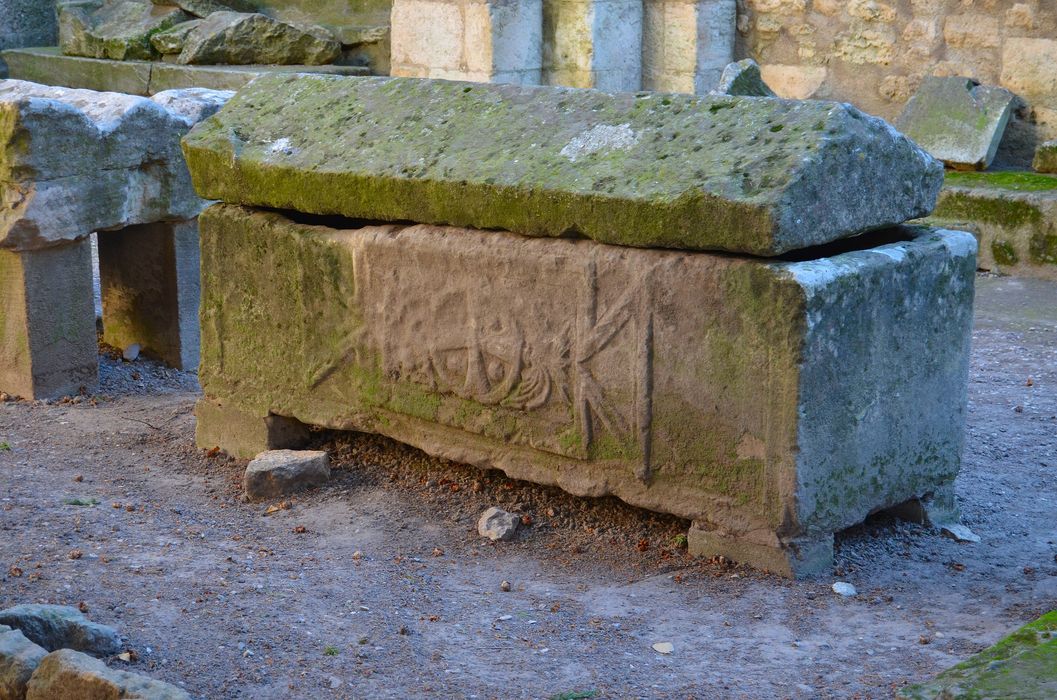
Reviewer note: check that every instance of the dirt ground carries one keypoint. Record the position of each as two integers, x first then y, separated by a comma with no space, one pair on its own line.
377,586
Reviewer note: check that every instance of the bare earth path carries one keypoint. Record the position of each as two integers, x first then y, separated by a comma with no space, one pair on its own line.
377,586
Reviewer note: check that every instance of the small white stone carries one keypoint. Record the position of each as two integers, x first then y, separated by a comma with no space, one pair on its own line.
844,589
957,531
497,524
664,647
131,353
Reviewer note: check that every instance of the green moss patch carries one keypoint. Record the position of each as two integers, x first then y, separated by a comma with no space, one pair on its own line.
1022,666
1017,181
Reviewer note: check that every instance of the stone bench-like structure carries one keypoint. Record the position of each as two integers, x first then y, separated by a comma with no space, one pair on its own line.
74,162
772,400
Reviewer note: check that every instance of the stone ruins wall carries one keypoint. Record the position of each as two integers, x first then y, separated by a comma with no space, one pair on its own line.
26,23
875,54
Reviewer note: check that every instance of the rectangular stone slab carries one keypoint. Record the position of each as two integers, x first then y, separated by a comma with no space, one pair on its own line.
753,175
773,402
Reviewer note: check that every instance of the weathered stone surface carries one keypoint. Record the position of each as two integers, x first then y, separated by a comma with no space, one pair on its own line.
725,173
204,8
62,627
241,38
49,67
69,674
280,472
957,120
120,29
77,161
686,43
593,44
743,78
150,290
1045,157
774,402
19,657
1023,665
48,343
26,24
496,524
497,41
241,433
173,39
1013,215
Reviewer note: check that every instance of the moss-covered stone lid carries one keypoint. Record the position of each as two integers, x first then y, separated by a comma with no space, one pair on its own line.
751,175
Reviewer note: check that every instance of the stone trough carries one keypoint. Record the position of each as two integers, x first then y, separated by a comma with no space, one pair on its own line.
74,162
774,394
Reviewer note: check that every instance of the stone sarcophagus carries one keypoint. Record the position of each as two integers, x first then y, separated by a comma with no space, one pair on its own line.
772,400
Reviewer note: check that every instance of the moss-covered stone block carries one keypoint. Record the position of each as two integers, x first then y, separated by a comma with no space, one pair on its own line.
1045,160
773,402
1013,214
651,170
1021,666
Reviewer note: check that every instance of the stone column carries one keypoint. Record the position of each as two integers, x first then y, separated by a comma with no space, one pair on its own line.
593,44
47,330
687,43
150,289
488,41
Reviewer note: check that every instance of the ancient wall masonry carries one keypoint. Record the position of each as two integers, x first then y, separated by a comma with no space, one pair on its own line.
686,44
718,173
74,162
773,401
876,53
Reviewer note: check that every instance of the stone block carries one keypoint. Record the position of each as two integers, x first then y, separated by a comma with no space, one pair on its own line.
150,287
26,24
118,29
1012,214
726,173
144,78
77,161
477,40
775,402
277,473
794,82
958,120
1045,160
19,657
243,434
250,38
743,78
62,627
1023,665
686,43
47,325
70,674
593,44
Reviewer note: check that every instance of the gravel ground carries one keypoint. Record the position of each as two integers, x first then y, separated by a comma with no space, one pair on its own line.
377,585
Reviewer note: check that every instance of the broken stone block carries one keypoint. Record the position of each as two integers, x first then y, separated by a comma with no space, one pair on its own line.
77,161
19,657
1045,158
280,472
773,401
957,120
150,288
593,44
241,433
499,41
1023,665
69,674
241,38
204,8
62,627
48,343
743,78
753,176
173,40
686,43
120,29
496,524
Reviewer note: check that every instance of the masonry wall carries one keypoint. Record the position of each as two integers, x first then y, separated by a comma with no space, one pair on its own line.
875,53
26,23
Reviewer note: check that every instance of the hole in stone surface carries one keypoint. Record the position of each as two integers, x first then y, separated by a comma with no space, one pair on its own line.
863,241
